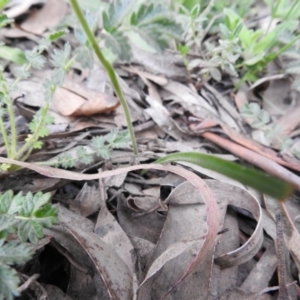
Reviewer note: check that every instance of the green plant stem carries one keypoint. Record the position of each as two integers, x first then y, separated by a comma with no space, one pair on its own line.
28,146
10,146
13,131
109,69
5,138
273,13
290,11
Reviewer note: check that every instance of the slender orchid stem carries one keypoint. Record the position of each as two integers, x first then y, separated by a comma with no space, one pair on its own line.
109,69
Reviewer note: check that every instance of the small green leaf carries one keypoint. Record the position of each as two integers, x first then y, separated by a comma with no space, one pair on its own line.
14,252
258,180
99,147
6,225
30,230
35,59
121,140
237,30
57,34
4,20
37,145
9,203
118,42
13,54
9,282
224,31
61,57
117,11
47,215
3,3
83,156
183,49
190,4
84,56
66,161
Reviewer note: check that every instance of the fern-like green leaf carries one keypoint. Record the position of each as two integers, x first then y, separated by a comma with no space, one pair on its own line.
33,202
30,230
9,282
100,148
46,215
121,140
35,59
60,57
14,252
116,13
156,25
34,215
10,204
35,126
83,156
37,145
6,225
84,56
118,43
66,161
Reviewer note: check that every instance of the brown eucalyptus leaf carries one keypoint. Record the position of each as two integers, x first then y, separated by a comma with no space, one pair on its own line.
109,231
161,117
68,103
86,201
262,272
56,293
147,226
243,199
47,18
181,238
113,271
226,279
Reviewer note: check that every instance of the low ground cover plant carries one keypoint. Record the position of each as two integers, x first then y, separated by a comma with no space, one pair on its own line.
238,51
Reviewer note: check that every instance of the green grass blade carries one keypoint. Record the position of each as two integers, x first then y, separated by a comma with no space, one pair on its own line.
259,180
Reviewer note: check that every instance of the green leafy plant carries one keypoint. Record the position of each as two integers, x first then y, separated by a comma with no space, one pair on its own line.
260,119
239,49
101,146
27,216
193,16
292,65
125,22
109,69
260,47
38,126
240,173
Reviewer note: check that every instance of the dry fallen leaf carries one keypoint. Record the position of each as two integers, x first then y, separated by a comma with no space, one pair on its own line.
71,103
46,18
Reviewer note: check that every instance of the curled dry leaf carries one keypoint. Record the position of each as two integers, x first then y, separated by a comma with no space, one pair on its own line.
181,236
243,199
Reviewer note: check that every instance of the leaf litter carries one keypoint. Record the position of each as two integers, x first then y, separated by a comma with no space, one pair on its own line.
124,235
